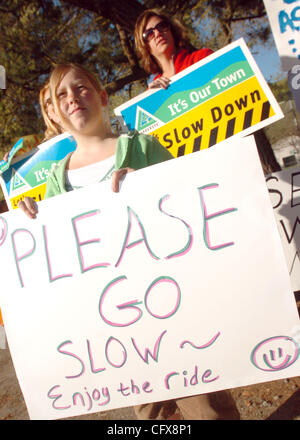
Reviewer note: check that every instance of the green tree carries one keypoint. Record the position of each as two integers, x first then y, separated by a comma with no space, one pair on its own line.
229,19
30,42
34,36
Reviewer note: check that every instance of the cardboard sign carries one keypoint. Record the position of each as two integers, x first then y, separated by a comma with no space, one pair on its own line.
26,174
3,342
294,83
284,189
284,21
177,289
218,97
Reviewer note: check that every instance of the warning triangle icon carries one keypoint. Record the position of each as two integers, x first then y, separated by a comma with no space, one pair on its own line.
17,182
144,119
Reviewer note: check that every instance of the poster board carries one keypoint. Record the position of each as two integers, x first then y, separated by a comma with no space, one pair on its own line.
284,189
27,169
149,295
218,97
294,84
284,21
2,77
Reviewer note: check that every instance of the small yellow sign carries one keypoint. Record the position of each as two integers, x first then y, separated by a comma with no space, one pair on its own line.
37,193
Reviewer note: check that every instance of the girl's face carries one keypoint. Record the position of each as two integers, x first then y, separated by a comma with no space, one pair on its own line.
159,41
80,103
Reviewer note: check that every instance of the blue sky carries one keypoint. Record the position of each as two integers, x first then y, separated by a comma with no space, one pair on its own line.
268,61
265,55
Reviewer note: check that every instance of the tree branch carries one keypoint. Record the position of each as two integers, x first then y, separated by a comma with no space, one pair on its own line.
127,47
248,17
118,12
119,83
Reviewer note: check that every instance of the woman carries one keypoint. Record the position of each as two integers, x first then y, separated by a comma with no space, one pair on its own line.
163,46
80,105
164,49
51,120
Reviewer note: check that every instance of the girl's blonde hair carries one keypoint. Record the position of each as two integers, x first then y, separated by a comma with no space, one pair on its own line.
178,31
58,74
52,128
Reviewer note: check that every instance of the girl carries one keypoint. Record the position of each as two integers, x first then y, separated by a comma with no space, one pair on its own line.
80,104
163,46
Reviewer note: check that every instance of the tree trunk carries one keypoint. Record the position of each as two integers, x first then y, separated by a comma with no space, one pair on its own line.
267,157
127,47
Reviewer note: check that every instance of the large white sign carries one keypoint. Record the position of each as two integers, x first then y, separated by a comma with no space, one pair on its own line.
284,188
175,286
284,17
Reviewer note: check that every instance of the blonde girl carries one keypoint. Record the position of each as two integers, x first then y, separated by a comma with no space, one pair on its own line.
80,104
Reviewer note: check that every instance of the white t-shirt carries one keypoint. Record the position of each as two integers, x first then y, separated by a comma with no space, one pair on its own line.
94,173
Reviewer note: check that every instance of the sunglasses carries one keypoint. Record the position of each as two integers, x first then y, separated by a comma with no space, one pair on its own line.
162,26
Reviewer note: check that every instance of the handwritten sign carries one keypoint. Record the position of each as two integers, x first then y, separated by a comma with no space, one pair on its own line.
29,164
294,83
284,21
221,96
284,189
177,289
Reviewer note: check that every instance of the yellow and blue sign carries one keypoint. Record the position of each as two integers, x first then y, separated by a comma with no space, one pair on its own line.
28,166
218,97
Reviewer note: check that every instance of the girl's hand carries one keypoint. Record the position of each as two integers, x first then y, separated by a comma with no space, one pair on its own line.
29,207
5,157
117,176
161,82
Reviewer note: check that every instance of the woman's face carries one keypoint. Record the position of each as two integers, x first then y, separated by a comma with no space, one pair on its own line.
80,103
159,41
48,106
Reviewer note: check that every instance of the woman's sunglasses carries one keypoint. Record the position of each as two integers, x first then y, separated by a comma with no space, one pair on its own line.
162,26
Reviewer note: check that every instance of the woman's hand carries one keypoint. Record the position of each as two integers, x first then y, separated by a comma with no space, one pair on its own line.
5,157
117,176
161,82
28,206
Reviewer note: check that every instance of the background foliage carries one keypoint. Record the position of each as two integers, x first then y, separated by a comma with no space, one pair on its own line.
36,34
